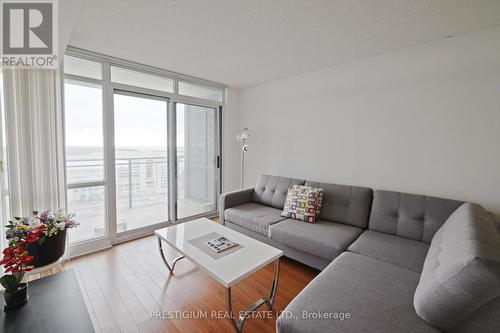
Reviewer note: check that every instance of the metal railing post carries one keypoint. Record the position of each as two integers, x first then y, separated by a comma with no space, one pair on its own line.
129,183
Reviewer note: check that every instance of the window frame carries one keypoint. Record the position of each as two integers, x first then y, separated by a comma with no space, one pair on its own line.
218,154
194,84
85,60
146,73
86,245
128,234
108,89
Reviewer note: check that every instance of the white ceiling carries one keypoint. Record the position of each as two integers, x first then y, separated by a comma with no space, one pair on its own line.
68,11
245,42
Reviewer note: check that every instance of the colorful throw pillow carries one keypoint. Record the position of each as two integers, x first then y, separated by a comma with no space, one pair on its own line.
303,203
319,202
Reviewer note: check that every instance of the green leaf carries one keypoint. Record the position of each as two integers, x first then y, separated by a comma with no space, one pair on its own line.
9,282
19,276
17,218
41,240
35,212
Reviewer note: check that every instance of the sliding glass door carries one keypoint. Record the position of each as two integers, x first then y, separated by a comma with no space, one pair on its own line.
141,160
142,163
197,159
85,176
142,148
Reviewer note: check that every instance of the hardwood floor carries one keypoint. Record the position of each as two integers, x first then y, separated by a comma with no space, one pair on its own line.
128,289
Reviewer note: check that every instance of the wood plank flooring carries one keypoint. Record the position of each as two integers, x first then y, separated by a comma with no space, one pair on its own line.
128,289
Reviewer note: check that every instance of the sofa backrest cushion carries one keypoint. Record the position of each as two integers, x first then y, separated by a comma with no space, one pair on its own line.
272,190
345,204
412,216
462,268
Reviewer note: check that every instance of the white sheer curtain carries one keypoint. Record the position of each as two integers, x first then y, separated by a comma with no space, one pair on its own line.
4,195
34,140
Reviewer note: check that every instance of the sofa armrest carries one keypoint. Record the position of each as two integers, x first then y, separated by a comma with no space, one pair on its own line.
231,199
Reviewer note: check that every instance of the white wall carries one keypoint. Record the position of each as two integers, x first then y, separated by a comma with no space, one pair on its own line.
421,120
230,147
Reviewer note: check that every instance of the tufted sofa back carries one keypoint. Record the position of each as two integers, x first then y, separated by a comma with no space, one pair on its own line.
345,204
272,190
412,216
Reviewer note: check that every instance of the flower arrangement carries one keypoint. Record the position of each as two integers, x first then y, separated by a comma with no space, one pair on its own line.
16,259
53,222
23,231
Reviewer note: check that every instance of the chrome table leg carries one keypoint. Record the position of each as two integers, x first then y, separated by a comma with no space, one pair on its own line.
171,269
238,324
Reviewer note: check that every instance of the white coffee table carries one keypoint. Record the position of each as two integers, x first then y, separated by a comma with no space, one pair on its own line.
229,269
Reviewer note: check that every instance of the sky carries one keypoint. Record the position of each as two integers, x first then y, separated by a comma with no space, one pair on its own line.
139,122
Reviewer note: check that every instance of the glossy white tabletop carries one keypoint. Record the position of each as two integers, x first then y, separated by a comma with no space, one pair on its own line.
229,269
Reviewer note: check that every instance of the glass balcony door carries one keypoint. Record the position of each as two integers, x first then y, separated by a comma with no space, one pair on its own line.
85,176
141,149
197,164
141,160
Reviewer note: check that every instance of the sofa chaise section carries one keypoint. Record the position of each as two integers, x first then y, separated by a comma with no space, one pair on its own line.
378,297
381,283
376,279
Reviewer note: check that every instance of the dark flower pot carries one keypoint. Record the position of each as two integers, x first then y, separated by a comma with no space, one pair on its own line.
16,298
49,251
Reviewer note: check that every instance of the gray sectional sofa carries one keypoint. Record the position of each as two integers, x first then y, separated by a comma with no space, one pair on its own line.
390,261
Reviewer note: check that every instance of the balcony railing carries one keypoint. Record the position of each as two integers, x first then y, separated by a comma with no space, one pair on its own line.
141,194
135,176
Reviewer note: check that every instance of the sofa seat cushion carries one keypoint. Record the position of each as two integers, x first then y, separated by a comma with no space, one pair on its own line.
395,250
378,296
323,239
254,216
